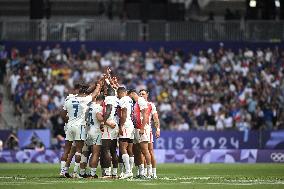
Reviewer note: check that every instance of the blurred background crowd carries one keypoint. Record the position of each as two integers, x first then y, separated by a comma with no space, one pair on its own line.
209,90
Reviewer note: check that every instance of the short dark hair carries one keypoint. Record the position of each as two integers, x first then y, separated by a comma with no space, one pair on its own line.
77,85
144,90
84,87
121,89
100,97
80,85
131,91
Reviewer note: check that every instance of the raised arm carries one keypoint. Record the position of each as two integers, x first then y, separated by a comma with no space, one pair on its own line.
95,89
114,83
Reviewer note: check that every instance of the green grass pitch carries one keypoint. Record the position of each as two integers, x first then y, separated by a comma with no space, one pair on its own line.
171,176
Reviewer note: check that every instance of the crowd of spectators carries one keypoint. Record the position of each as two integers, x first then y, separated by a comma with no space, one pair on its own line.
210,90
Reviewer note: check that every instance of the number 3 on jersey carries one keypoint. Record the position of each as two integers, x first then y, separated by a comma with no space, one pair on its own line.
76,107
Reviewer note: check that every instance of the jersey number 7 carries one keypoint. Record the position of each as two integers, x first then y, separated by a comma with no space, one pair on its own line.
76,107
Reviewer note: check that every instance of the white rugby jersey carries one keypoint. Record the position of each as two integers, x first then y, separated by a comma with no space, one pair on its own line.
127,102
140,105
114,101
76,108
94,124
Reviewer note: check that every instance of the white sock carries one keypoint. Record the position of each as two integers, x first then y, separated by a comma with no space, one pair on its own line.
149,170
114,171
93,171
131,162
108,171
62,166
76,167
66,169
103,171
145,171
82,171
141,169
120,168
154,171
137,168
125,158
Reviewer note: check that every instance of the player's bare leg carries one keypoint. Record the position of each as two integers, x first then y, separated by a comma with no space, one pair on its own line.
106,143
114,158
96,150
69,159
153,160
79,145
67,149
123,145
102,161
84,159
131,155
146,153
71,155
121,165
143,161
138,160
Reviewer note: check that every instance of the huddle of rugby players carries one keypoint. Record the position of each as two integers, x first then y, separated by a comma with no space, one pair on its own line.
101,117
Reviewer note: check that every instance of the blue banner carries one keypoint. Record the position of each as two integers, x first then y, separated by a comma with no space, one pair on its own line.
273,140
175,140
162,156
220,140
4,134
128,46
34,138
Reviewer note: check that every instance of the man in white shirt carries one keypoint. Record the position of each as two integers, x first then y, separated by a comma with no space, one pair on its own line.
126,131
75,106
94,134
14,81
110,133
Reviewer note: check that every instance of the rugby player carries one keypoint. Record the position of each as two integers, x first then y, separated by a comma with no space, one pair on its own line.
152,112
94,134
126,131
110,133
142,133
75,106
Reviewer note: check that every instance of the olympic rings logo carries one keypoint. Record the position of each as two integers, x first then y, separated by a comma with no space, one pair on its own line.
277,157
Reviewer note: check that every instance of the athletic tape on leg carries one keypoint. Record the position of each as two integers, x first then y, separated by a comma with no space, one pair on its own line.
83,159
85,148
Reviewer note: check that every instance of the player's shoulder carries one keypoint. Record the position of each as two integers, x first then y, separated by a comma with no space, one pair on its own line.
111,99
92,104
141,100
70,96
126,99
97,107
153,107
152,104
87,98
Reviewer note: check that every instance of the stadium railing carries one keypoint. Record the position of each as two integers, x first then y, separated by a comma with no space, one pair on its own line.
106,30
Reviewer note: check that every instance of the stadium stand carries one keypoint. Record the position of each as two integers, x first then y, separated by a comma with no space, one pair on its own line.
210,90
